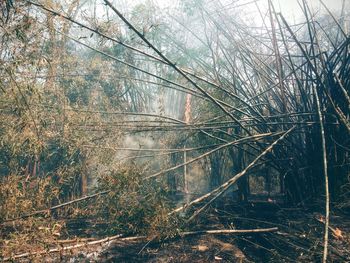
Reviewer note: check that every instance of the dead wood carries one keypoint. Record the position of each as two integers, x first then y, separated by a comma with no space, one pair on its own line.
229,231
118,237
85,244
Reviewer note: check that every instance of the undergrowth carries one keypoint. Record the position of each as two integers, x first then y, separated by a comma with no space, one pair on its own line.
134,205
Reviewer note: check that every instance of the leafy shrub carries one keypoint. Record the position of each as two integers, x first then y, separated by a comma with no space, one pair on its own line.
19,196
135,205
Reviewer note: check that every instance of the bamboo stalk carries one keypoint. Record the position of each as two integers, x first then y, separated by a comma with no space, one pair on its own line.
176,68
325,173
223,188
342,88
229,231
255,137
228,183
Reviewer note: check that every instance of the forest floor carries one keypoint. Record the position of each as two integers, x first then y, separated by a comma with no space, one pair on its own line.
299,238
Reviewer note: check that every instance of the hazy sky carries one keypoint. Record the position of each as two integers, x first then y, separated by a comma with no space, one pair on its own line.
289,8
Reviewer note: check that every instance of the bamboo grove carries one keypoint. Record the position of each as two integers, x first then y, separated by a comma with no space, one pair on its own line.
105,109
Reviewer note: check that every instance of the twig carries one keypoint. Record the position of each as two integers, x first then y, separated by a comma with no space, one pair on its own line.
336,233
76,240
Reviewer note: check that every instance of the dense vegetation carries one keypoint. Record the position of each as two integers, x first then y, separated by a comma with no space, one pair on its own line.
140,119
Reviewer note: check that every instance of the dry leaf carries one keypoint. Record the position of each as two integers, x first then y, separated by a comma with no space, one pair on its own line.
338,233
56,234
202,248
321,219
